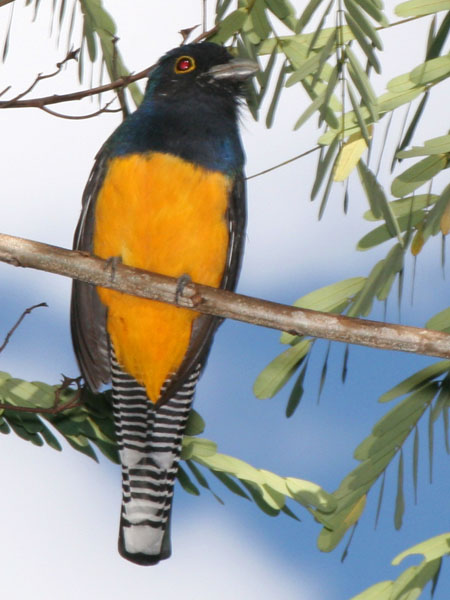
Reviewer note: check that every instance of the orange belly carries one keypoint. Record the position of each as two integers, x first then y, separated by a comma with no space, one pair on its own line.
160,213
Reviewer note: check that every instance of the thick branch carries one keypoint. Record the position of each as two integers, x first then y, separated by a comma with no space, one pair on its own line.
77,265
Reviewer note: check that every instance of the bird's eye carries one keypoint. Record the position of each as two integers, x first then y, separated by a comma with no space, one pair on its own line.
184,64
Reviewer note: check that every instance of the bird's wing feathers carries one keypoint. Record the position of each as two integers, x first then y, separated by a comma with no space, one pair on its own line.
88,314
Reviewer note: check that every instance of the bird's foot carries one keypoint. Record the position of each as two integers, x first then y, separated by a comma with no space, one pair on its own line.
113,262
182,282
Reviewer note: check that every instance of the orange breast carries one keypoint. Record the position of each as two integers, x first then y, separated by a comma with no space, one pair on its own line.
163,214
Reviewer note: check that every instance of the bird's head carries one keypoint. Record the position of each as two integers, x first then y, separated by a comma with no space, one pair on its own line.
204,69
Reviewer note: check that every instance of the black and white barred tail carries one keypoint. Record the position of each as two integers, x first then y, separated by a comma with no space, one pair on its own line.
149,439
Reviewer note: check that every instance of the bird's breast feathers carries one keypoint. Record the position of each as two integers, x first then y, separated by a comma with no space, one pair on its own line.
160,213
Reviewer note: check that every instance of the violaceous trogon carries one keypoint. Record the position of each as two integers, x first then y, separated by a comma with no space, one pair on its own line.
166,194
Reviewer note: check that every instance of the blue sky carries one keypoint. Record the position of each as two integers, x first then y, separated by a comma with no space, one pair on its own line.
60,510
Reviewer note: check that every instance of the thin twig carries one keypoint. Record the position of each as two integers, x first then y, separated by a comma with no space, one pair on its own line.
205,35
58,405
79,117
186,32
212,301
26,312
53,410
121,82
71,55
286,162
120,91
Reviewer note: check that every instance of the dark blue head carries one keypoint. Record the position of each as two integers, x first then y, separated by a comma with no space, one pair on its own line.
190,109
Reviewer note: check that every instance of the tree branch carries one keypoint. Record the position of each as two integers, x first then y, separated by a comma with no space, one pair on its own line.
119,83
79,265
26,312
57,98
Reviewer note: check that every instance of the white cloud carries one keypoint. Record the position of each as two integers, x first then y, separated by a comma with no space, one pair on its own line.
59,522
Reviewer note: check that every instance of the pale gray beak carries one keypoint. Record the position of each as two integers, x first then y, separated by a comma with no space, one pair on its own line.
238,69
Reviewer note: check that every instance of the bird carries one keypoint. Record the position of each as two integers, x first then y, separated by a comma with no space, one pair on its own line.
166,194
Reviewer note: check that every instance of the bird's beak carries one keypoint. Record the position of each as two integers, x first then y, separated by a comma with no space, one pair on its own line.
238,69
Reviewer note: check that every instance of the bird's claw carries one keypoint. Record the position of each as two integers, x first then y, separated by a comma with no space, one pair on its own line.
182,282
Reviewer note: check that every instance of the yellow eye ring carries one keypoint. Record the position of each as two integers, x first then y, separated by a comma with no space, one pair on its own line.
184,64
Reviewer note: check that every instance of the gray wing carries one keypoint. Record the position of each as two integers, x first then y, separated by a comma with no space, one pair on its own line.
88,314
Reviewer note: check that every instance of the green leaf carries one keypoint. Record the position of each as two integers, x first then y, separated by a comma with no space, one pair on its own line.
359,116
331,298
417,175
400,496
406,206
440,38
312,108
362,82
375,283
433,548
264,77
430,443
221,9
308,66
323,374
439,145
310,494
379,591
307,14
440,321
412,126
404,412
276,96
390,100
324,165
431,70
230,25
258,20
195,448
295,51
202,479
186,482
380,498
280,8
296,393
230,484
195,424
435,217
363,23
418,8
324,55
415,381
382,234
279,371
415,464
81,444
373,10
318,30
377,199
363,43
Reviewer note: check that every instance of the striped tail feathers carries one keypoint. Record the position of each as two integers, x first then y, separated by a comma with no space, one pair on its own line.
149,439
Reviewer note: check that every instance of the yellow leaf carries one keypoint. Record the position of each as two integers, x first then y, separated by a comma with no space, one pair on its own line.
349,156
418,242
355,512
445,220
